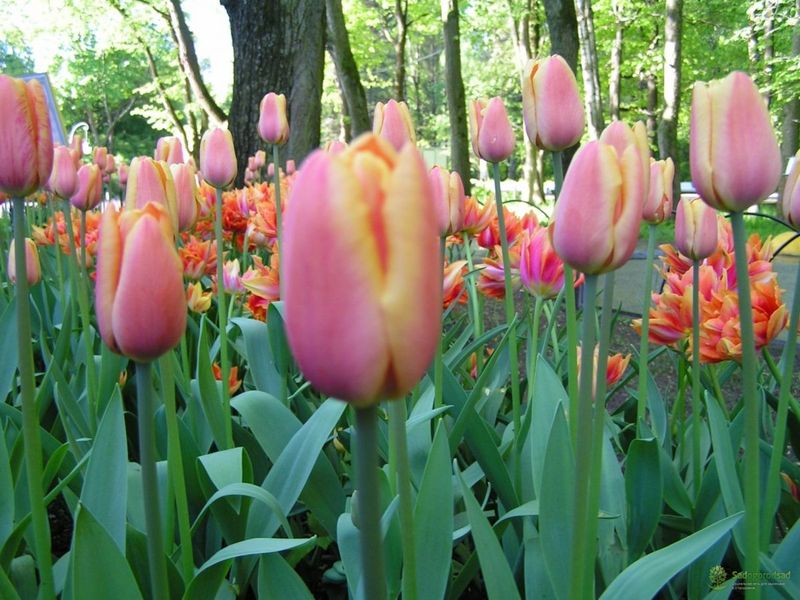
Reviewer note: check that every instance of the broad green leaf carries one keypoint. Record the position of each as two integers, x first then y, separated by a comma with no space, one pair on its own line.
529,509
209,390
279,581
137,557
8,350
251,491
6,492
6,587
645,577
281,355
98,565
643,494
537,581
658,411
548,393
785,585
433,520
787,554
222,469
254,546
497,576
105,487
260,362
111,365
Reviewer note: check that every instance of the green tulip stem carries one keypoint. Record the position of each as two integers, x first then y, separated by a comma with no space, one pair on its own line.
474,301
533,346
438,361
773,479
83,244
696,466
147,459
583,458
397,430
752,499
368,503
641,404
511,322
223,323
30,417
175,465
57,247
276,162
572,316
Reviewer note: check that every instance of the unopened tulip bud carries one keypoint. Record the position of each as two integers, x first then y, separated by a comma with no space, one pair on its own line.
791,194
64,176
695,228
249,176
290,167
551,106
151,181
492,135
33,269
169,149
26,141
734,157
100,157
362,275
111,165
622,137
122,172
392,121
335,146
183,177
90,188
260,159
218,158
139,296
658,205
448,200
273,127
76,145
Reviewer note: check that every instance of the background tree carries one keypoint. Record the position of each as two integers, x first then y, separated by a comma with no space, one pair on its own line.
456,97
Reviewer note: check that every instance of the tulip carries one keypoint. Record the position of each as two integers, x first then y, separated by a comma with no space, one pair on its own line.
477,217
151,181
290,167
32,266
615,367
218,158
111,165
76,147
658,205
448,200
453,283
695,228
251,164
26,141
122,172
183,177
335,146
231,280
599,210
100,157
551,106
492,136
733,154
273,127
64,176
196,299
90,188
622,137
361,271
791,194
260,159
169,149
540,269
140,300
392,121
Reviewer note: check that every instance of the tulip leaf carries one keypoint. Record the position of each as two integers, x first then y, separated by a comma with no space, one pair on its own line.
105,487
8,351
643,494
433,520
98,565
222,469
6,493
260,363
281,355
548,395
209,391
278,580
251,491
111,367
645,577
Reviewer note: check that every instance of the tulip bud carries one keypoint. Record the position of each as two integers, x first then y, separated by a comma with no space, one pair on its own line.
551,106
360,270
122,172
100,157
140,300
492,136
32,267
335,146
658,205
273,126
695,229
260,159
183,177
392,121
64,177
151,181
76,145
26,141
599,210
218,158
111,165
540,269
791,194
448,200
621,136
169,149
90,188
290,167
733,154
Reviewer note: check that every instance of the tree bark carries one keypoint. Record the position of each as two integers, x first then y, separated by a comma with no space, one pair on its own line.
652,109
189,63
589,68
791,110
668,127
456,97
278,46
401,19
615,75
769,48
346,70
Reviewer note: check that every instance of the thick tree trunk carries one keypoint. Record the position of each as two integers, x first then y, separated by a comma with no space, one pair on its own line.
456,97
189,63
401,18
615,75
652,109
791,110
346,70
278,46
668,128
769,48
589,68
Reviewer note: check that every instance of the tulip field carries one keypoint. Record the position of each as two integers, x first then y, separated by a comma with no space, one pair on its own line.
342,377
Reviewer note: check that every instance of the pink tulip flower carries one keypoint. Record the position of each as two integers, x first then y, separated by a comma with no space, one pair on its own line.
169,150
392,121
491,132
273,127
658,206
33,268
90,188
695,229
64,176
151,181
218,158
448,200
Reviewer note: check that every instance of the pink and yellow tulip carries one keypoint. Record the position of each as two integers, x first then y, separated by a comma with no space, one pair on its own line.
273,127
392,121
492,136
90,188
658,206
151,181
33,268
169,150
218,158
64,176
448,200
695,228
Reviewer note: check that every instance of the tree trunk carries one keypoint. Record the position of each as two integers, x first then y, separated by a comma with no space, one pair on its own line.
346,70
278,46
189,63
401,17
769,48
615,75
668,128
791,110
589,69
652,109
456,97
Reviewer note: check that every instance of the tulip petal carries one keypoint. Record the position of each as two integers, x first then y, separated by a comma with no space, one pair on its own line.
700,145
109,256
